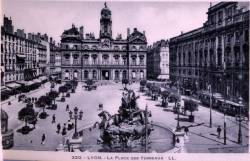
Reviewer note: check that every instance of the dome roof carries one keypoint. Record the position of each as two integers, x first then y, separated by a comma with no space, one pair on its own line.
71,35
137,35
72,31
4,115
106,10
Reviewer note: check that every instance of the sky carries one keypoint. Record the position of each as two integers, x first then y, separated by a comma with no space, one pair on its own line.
160,20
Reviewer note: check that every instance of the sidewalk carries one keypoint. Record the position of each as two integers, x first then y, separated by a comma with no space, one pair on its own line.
201,138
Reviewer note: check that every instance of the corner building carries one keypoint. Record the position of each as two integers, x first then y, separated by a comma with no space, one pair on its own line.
216,54
103,58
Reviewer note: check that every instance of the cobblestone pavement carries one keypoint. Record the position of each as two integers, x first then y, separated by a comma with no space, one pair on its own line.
201,138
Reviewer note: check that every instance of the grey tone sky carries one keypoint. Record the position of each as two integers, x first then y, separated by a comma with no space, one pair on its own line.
160,20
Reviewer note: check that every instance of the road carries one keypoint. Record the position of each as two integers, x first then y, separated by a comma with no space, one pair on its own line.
200,139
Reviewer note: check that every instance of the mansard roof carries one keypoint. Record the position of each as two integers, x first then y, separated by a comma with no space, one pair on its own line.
137,37
71,35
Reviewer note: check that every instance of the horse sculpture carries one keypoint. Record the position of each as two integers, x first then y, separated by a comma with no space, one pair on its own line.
125,127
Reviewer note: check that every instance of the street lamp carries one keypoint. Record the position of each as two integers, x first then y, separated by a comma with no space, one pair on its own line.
240,118
52,85
178,117
225,124
211,104
75,136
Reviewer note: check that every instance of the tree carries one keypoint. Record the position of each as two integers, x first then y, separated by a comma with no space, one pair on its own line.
89,82
165,94
190,105
52,95
26,112
125,82
63,89
68,86
142,84
74,83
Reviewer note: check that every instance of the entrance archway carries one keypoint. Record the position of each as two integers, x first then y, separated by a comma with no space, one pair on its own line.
105,74
75,75
124,74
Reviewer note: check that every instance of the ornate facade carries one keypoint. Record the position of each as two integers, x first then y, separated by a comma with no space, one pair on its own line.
103,58
216,54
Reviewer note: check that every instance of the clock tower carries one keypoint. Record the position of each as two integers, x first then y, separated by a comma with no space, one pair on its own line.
105,23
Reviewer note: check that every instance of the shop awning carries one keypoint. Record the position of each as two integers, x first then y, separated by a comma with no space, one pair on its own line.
36,81
13,85
26,83
20,56
162,77
230,102
42,78
4,89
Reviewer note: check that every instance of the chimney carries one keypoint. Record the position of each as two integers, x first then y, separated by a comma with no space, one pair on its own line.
144,33
81,32
128,32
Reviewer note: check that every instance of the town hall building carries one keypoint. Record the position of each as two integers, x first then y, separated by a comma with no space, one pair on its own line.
105,58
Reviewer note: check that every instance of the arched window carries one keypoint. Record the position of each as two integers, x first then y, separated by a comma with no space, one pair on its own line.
105,59
75,74
116,48
66,74
86,59
124,74
116,57
141,74
141,59
94,58
116,75
133,74
86,74
94,74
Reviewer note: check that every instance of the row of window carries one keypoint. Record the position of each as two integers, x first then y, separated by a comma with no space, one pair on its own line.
94,47
86,74
237,36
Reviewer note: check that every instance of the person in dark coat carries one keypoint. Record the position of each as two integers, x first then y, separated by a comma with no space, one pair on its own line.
67,108
219,131
53,118
186,130
43,139
58,128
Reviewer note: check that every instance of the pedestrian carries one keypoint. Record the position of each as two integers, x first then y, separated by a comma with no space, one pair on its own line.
186,130
43,139
58,128
53,118
67,107
219,131
68,144
64,132
9,103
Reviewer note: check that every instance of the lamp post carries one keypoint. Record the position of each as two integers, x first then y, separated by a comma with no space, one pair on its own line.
146,128
178,117
240,118
75,136
225,125
52,85
211,104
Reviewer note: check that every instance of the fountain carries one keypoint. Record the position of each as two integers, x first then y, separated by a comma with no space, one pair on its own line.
129,130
